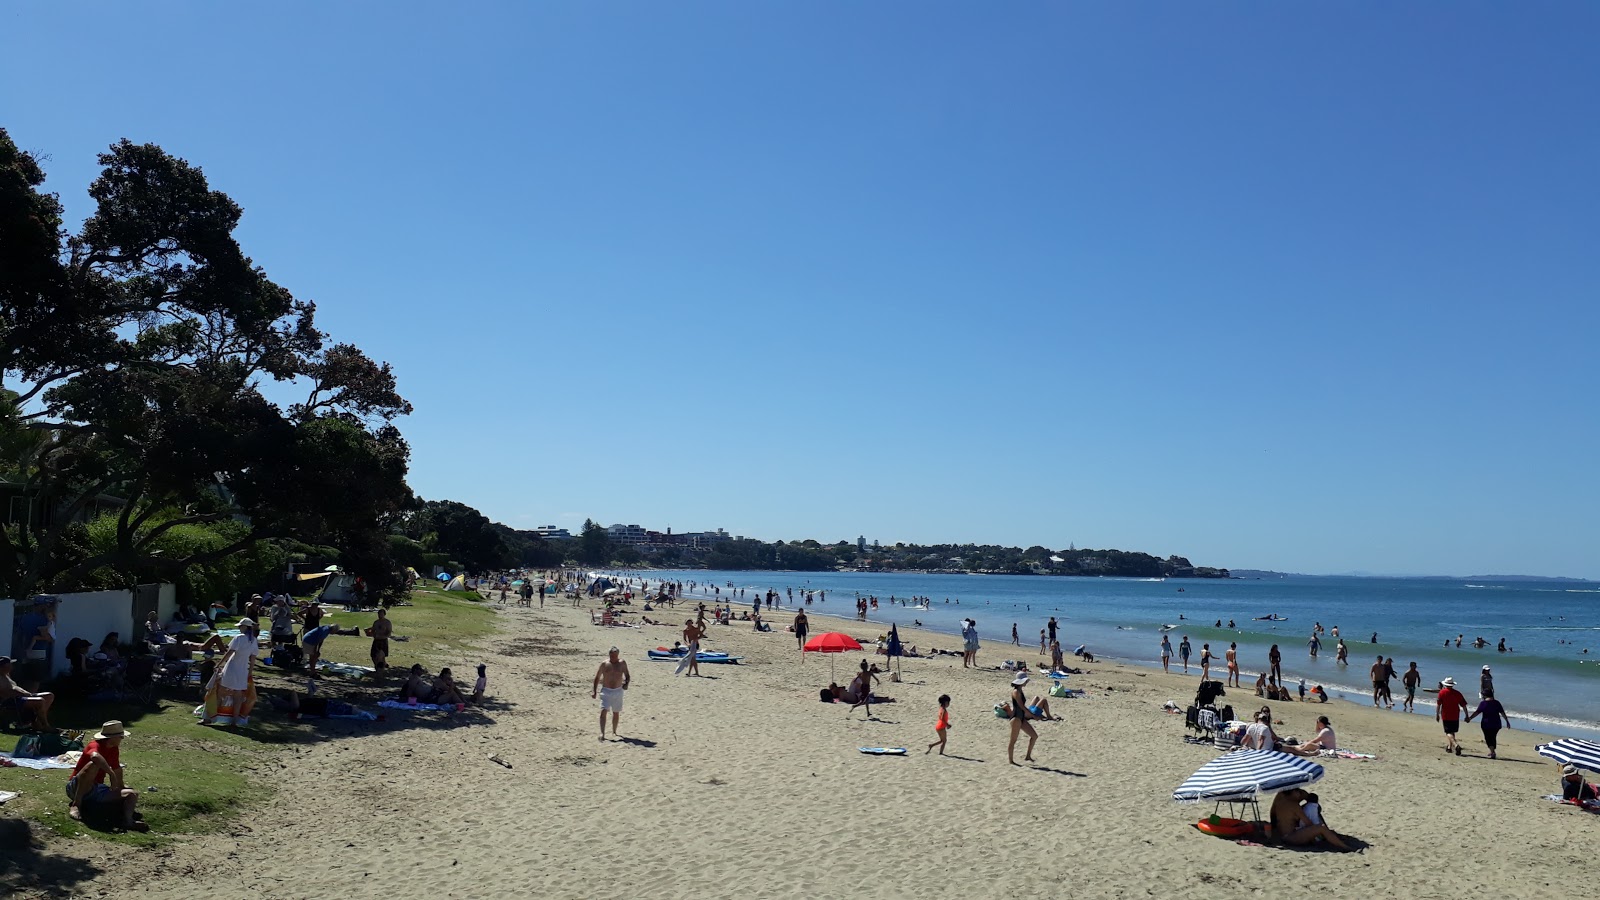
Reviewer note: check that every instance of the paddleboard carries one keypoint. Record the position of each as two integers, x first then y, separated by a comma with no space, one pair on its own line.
883,751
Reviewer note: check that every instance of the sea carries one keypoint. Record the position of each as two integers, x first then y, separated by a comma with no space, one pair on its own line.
1545,678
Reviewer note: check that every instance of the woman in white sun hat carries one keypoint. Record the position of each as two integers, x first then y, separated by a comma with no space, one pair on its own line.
1019,720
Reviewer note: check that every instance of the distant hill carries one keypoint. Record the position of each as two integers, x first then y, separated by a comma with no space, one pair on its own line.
1267,573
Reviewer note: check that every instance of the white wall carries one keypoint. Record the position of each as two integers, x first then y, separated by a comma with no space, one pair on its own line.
6,621
90,616
167,605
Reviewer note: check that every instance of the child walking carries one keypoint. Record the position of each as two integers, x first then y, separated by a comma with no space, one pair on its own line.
941,727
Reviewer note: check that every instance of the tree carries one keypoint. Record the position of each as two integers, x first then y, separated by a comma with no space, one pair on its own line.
134,354
463,533
594,544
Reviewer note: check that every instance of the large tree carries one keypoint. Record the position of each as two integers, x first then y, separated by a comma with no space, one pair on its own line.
147,363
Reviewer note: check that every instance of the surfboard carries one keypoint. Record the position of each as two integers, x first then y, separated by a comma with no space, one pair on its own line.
883,751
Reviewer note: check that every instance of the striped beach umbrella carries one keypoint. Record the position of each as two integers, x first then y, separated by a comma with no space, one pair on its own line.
1573,752
1244,773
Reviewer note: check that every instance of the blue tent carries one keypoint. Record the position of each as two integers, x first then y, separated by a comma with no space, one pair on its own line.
444,576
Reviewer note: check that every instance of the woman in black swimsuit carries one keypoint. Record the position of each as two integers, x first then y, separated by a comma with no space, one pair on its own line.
1019,721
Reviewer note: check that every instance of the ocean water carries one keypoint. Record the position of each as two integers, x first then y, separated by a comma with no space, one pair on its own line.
1546,682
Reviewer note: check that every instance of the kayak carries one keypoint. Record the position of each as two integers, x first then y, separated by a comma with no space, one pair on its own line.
712,656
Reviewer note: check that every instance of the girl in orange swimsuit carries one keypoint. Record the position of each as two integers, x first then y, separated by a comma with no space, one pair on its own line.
941,727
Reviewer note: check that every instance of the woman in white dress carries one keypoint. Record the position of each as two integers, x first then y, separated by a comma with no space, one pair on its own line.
233,673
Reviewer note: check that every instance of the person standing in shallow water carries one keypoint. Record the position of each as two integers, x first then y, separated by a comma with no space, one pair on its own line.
1183,653
1166,653
1274,660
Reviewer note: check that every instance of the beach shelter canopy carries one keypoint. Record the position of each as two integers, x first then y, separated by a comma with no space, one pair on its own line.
1242,774
1573,752
333,569
609,591
895,648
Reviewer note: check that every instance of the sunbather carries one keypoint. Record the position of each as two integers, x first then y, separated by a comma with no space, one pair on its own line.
1324,740
296,705
1290,825
445,692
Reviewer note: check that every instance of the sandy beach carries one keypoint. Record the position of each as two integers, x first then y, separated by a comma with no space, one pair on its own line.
742,784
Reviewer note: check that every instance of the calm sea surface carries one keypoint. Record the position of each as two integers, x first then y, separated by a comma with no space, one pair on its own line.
1546,682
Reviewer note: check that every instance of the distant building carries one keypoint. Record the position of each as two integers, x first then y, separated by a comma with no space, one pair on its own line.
626,534
861,543
552,533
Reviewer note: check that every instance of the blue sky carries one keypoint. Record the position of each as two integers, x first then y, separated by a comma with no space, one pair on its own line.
1293,286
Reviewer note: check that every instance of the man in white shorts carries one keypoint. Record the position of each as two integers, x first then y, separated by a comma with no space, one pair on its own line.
610,680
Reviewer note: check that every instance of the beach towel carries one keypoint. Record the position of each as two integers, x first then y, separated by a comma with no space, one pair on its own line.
1587,805
7,796
344,668
1344,754
396,704
53,762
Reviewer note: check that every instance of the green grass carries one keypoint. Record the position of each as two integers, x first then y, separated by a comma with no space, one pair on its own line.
200,773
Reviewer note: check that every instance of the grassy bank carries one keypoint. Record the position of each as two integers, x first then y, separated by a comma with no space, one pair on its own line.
201,776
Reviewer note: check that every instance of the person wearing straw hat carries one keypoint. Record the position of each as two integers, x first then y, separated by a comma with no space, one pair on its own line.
234,672
1019,721
95,787
1574,788
1447,709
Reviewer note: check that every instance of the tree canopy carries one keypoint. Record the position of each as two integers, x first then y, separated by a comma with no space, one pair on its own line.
136,358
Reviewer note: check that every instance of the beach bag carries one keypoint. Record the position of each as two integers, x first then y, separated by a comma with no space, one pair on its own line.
1058,689
55,744
28,747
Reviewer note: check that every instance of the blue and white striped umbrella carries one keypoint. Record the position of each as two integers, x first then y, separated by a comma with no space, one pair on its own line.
1573,752
1244,773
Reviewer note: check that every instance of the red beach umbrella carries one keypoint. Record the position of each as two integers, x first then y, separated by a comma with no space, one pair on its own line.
830,642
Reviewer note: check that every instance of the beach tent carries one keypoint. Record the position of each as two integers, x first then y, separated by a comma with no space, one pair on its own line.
1573,752
829,642
456,584
1237,777
444,576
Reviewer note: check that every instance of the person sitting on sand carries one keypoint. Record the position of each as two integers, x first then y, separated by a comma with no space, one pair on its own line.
1574,788
296,705
416,686
1324,740
482,684
1259,735
445,692
1261,685
1289,824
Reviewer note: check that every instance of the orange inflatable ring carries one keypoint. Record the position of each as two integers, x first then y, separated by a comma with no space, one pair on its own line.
1228,828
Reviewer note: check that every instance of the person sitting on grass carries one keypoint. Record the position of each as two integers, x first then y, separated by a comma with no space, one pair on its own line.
1290,825
312,642
95,787
445,692
13,696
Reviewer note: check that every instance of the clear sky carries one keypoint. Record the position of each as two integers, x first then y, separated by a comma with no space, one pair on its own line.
1298,286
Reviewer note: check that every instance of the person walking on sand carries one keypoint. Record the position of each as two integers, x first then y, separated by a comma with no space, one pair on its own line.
1411,679
1042,642
1016,640
1232,655
1492,713
801,628
1448,711
1378,681
1019,721
1274,661
941,728
1183,653
610,680
1166,653
969,631
1205,662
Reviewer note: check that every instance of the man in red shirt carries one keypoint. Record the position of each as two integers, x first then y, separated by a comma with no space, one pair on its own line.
95,787
1448,710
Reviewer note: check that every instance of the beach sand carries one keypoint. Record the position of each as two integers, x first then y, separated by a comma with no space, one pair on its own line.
741,784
